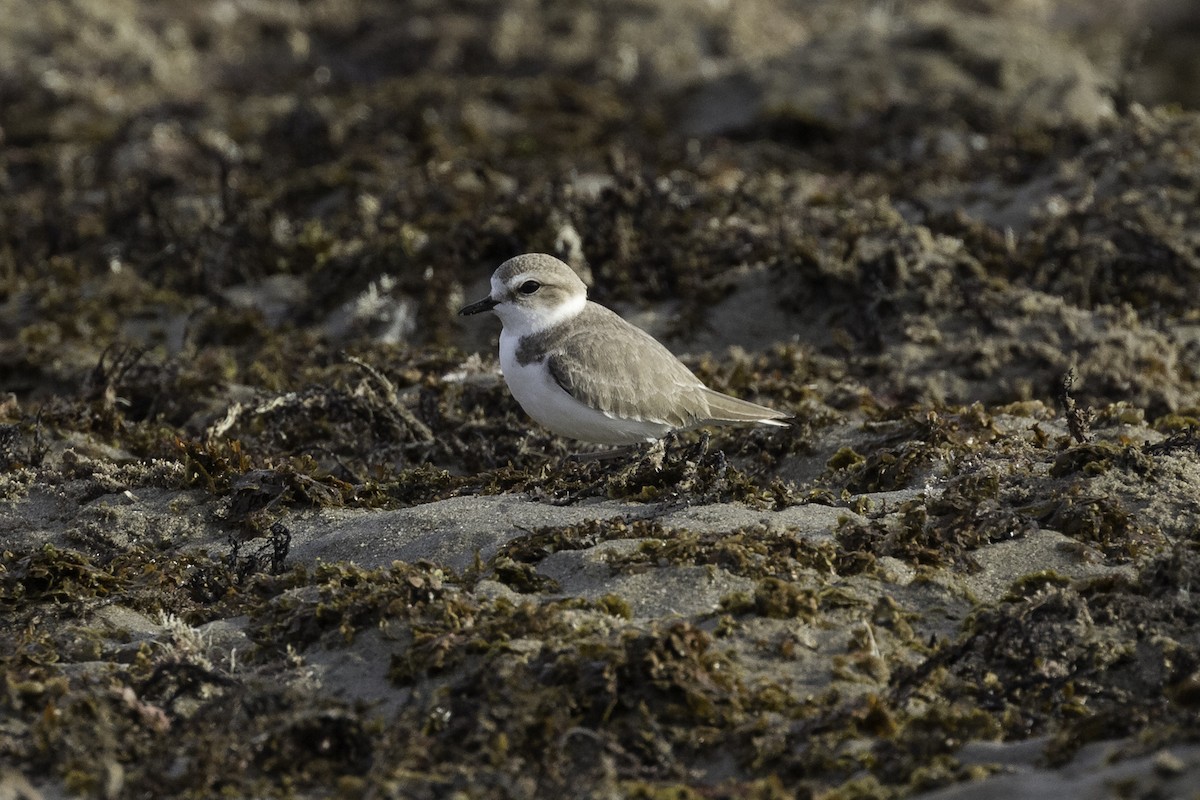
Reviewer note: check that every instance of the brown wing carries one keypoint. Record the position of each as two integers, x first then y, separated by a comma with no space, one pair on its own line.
618,369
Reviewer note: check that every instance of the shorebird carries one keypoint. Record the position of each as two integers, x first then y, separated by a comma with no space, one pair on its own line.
583,372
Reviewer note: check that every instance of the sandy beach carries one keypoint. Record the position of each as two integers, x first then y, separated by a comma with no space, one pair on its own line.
271,524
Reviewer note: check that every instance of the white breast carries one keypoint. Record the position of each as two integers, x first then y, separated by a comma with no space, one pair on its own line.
550,405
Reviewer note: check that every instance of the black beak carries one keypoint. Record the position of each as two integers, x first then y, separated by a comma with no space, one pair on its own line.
486,304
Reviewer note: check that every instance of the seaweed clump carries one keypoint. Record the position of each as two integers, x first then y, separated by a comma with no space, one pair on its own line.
1071,659
942,529
913,447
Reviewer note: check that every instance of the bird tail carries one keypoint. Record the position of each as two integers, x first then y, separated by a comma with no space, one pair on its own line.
723,408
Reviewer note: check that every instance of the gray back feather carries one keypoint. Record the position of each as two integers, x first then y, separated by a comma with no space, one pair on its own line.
594,359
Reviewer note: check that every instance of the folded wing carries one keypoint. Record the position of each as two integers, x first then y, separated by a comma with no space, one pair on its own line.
625,373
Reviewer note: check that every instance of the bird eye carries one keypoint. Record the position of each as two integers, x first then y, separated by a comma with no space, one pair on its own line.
529,287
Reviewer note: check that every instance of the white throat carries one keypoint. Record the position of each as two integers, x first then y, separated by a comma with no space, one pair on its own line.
520,321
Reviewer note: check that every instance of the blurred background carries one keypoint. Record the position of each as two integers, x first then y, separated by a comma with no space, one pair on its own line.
876,181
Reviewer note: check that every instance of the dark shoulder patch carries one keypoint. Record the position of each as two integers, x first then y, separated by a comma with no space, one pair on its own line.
532,348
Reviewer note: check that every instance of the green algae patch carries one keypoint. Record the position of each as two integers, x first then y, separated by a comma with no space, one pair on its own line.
530,683
336,601
910,447
537,544
1096,458
844,458
775,599
749,552
1036,583
55,576
676,469
1068,657
939,530
1104,522
227,297
513,681
1176,423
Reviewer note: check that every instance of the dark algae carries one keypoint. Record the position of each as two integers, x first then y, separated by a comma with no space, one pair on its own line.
271,524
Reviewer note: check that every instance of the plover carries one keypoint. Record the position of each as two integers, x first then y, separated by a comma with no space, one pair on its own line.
583,372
